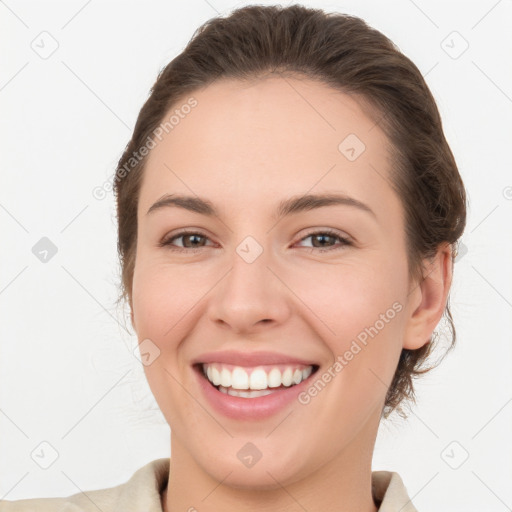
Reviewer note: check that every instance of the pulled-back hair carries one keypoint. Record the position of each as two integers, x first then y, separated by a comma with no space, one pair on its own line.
343,52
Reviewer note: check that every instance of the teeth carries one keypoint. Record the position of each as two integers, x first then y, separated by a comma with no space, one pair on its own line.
214,375
235,379
306,372
225,378
274,378
240,379
245,394
258,379
287,377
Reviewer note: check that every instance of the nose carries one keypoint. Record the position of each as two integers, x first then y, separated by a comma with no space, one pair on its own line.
250,297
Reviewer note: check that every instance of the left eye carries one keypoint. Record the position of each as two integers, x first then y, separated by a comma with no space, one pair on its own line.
325,235
193,237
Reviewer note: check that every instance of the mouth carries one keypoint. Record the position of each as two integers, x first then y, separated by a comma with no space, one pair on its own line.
253,382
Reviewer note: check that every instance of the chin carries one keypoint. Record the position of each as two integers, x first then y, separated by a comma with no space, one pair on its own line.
264,475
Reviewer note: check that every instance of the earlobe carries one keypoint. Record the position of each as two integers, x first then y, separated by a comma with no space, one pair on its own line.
431,294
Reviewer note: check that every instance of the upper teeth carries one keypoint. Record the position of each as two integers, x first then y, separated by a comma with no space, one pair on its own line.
259,377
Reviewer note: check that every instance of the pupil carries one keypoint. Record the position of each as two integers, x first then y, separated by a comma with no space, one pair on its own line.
193,237
322,237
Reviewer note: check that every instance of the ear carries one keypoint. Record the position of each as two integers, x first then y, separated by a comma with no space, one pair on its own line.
428,298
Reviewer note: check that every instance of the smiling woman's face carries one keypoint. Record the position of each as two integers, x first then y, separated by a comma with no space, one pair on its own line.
254,280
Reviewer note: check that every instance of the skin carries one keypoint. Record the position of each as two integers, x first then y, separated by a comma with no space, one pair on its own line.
245,147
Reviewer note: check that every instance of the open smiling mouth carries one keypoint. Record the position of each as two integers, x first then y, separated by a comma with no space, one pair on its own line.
254,382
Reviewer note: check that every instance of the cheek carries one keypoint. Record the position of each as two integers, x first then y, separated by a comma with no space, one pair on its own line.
359,311
348,297
162,298
161,301
163,304
361,322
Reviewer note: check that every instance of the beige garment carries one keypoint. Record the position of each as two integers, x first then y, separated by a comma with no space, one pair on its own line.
142,493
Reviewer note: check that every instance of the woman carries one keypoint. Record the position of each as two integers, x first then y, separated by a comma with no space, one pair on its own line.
288,210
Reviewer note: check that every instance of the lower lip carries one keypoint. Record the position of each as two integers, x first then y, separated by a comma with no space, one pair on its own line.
250,408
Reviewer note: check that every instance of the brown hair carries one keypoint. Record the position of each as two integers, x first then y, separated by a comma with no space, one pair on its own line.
343,52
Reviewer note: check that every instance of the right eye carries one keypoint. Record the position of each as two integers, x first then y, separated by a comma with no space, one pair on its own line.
192,236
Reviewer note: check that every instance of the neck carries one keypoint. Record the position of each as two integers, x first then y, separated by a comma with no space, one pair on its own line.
343,484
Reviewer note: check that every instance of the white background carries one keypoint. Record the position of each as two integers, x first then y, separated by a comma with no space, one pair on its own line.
67,373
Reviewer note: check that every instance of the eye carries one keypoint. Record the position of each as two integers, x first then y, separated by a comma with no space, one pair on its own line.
324,237
191,241
192,237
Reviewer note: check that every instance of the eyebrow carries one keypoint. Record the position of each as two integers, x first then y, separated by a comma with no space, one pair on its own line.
285,208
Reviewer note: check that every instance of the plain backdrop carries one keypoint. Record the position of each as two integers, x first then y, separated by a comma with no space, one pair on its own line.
73,396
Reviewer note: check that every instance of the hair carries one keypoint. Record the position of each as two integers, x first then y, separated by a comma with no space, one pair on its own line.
345,53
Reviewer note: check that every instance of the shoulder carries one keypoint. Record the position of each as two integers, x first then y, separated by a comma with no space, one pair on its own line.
140,492
390,493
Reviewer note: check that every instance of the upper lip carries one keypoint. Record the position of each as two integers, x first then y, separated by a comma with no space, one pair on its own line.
249,358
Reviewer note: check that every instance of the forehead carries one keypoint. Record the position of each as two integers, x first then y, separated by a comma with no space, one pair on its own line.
251,141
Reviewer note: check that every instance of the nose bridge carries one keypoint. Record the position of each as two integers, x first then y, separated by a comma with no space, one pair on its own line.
249,293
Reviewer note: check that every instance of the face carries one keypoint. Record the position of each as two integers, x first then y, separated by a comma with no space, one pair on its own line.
322,288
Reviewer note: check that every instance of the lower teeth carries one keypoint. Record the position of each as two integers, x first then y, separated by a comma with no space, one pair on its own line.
248,393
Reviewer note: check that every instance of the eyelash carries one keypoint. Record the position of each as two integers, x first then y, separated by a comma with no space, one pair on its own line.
329,232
